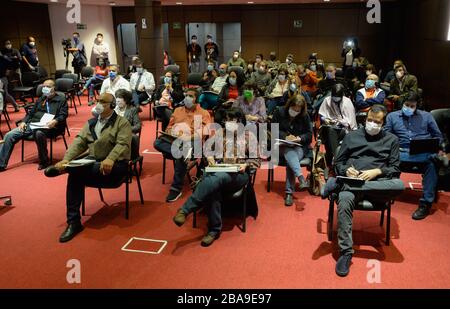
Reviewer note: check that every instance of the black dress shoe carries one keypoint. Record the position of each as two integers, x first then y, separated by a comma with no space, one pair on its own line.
422,212
51,171
71,231
343,265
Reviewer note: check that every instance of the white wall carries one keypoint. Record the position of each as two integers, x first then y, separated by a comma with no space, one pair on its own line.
98,20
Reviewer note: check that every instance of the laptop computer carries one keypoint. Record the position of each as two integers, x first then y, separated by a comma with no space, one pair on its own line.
426,145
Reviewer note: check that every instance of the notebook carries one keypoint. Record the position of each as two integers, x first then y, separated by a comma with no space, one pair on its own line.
223,168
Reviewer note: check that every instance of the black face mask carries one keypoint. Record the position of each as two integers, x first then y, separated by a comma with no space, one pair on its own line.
272,58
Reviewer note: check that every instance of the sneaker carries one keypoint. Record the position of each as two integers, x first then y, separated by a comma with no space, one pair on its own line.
173,196
422,212
343,265
289,200
304,184
209,239
180,217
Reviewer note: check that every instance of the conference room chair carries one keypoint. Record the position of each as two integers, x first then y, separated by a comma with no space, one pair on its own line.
66,86
30,80
76,86
127,180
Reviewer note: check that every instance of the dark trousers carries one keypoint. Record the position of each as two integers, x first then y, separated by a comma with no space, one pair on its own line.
210,193
89,176
139,97
180,168
331,137
14,136
164,113
379,191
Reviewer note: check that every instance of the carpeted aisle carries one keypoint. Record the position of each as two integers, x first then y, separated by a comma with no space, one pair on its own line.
283,248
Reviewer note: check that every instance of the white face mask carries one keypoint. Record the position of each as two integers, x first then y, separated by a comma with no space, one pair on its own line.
32,44
46,91
399,74
140,70
188,102
293,113
121,103
99,109
372,128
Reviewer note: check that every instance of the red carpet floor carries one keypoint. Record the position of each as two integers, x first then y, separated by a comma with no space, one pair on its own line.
283,248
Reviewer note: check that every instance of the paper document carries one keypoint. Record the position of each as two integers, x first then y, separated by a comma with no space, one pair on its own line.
80,162
351,180
223,168
42,124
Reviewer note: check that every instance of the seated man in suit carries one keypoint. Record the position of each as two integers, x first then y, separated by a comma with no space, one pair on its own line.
372,155
108,139
48,103
410,123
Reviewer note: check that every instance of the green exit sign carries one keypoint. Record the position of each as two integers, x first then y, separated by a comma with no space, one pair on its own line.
298,23
176,26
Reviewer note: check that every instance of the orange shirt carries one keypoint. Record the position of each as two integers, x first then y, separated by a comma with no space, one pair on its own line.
309,82
184,117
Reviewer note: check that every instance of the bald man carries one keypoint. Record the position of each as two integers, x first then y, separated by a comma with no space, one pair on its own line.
108,141
48,103
370,95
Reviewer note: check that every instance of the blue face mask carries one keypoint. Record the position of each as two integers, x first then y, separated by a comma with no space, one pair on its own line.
370,84
210,68
167,80
330,75
293,87
112,75
408,111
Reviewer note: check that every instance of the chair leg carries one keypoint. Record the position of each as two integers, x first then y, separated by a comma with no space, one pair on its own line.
330,219
388,225
127,197
164,171
83,203
382,218
101,195
194,219
51,150
138,180
74,104
141,162
65,142
79,100
268,179
244,212
68,131
23,149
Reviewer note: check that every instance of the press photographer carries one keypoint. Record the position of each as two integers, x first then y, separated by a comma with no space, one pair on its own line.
78,52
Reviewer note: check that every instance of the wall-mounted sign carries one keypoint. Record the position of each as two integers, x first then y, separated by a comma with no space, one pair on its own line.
298,23
176,26
144,23
81,26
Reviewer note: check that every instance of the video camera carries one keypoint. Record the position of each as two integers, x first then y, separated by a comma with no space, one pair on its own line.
67,43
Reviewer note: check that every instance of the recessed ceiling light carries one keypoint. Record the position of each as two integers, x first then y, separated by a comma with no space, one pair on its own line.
54,1
178,3
112,3
250,2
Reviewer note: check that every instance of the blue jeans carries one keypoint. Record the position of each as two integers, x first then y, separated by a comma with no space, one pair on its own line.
210,193
11,138
139,97
293,156
430,173
180,168
90,84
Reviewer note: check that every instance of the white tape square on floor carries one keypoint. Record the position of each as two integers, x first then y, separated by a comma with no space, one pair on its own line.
163,242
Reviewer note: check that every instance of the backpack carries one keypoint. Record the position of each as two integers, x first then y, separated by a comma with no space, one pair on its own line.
319,171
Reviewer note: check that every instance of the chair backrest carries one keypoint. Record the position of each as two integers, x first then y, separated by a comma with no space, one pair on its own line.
42,72
29,78
87,72
64,84
39,90
60,73
74,77
194,79
239,70
174,68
